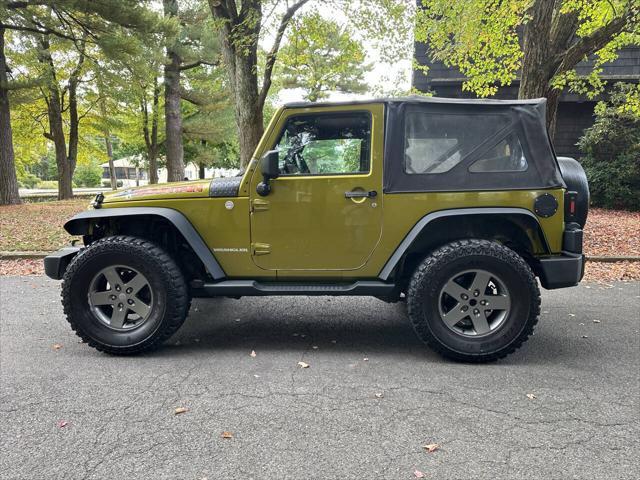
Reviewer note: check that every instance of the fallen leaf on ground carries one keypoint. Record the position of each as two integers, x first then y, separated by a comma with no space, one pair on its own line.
432,447
56,346
227,435
61,423
418,474
253,354
531,396
180,410
303,365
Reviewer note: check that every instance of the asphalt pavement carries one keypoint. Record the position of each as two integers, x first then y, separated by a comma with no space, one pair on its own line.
566,405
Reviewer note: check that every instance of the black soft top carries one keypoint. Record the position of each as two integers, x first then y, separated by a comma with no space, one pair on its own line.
477,128
420,100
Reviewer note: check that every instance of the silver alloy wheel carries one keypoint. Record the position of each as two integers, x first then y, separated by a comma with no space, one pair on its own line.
474,303
120,297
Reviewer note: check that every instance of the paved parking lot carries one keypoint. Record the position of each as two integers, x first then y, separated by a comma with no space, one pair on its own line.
371,398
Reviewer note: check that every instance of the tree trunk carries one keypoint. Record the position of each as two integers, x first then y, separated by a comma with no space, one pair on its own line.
8,180
56,129
201,165
239,35
242,69
173,116
552,48
248,111
112,168
107,135
153,152
151,136
74,120
536,62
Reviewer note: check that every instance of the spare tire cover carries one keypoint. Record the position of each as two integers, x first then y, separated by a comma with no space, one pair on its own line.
576,180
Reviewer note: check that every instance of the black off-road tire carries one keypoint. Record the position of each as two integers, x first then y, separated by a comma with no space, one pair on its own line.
429,279
170,304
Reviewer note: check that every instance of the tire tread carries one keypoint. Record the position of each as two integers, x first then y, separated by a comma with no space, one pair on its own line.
438,259
173,275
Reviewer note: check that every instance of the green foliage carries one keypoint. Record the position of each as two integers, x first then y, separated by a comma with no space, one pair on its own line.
480,37
47,184
222,155
320,56
28,180
88,175
612,148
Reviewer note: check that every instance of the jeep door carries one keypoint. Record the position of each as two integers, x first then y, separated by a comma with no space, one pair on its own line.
324,211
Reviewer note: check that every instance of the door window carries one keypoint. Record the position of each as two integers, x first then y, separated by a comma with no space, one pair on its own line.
325,144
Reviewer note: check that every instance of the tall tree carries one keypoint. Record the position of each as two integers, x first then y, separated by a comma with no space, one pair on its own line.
481,38
8,180
112,25
106,131
54,95
321,56
151,134
241,23
240,33
173,115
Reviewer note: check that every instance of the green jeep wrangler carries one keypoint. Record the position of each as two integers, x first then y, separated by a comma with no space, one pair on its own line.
454,206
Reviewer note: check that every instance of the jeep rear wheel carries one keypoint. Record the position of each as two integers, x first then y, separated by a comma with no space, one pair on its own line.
473,300
124,295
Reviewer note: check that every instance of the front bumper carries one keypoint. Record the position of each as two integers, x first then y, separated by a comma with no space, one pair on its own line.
565,270
56,264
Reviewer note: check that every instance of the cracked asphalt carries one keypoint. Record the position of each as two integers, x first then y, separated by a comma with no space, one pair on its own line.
324,421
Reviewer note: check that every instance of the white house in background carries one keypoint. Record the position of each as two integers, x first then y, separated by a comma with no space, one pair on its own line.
131,175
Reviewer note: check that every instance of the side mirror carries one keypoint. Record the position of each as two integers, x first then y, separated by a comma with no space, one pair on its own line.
270,169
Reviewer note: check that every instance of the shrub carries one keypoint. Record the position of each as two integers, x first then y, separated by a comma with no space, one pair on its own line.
107,183
28,180
47,184
612,148
88,175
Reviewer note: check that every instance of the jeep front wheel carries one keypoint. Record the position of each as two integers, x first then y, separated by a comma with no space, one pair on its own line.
473,300
124,295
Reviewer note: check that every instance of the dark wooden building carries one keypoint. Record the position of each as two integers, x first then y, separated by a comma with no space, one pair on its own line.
575,112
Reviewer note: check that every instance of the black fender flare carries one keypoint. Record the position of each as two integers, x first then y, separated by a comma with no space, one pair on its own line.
79,225
393,261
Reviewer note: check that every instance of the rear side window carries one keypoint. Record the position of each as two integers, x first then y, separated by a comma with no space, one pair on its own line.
325,144
437,142
506,156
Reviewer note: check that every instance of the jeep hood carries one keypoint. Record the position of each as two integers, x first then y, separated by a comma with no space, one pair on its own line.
194,189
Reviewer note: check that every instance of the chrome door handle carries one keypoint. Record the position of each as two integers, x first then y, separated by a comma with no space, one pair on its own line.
361,194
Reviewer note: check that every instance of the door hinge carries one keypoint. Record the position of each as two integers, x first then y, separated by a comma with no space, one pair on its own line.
258,204
260,249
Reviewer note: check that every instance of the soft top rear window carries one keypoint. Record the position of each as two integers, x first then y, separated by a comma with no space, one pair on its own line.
437,142
441,146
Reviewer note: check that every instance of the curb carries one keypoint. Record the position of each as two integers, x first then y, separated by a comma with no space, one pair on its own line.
36,255
23,255
612,259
